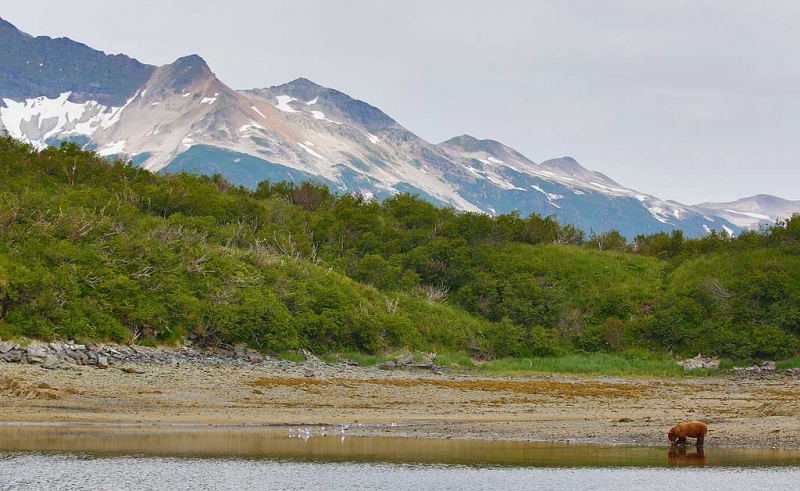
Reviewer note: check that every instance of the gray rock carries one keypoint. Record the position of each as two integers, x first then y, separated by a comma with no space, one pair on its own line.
240,350
405,360
83,359
13,356
700,361
102,362
37,356
5,347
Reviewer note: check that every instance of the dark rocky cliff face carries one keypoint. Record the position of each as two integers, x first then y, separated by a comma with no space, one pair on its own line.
42,66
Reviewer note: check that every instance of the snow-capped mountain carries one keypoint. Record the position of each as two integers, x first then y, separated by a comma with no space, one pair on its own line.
182,117
753,212
562,187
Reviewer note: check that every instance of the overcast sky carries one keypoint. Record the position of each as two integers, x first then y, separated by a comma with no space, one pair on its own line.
686,100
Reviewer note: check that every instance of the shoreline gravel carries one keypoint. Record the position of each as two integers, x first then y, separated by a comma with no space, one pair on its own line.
240,388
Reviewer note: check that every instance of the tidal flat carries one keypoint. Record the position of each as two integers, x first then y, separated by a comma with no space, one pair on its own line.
759,411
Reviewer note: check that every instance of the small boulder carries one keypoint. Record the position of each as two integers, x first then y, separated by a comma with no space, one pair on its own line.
240,350
405,360
102,362
36,356
13,356
91,357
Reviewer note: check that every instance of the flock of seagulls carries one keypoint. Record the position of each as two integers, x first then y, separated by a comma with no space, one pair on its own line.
305,433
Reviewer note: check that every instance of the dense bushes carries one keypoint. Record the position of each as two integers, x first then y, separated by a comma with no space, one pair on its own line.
98,250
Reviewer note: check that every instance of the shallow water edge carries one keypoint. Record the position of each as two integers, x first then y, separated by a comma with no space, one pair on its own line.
334,444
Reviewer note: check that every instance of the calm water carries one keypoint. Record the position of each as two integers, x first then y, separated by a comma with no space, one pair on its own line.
144,458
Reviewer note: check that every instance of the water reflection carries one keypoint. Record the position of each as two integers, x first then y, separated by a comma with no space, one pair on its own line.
330,445
678,455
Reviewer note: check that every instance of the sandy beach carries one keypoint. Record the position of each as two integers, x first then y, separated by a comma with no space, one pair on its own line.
755,411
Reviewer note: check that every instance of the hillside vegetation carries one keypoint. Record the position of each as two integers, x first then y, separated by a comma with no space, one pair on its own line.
92,250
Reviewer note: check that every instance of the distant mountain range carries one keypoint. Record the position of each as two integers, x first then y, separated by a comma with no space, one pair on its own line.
181,117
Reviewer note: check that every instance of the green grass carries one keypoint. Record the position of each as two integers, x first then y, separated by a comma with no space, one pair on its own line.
594,364
787,364
726,364
454,359
292,356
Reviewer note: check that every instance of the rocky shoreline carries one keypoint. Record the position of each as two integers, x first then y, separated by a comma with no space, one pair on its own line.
55,355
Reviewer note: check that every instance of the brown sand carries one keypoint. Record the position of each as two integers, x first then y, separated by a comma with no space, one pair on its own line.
762,411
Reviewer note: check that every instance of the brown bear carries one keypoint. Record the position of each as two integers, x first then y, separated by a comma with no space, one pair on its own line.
692,429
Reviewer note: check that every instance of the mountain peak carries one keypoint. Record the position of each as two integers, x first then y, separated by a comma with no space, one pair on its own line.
192,62
187,70
300,88
566,163
469,143
304,82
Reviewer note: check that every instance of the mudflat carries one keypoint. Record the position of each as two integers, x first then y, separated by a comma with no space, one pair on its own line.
755,410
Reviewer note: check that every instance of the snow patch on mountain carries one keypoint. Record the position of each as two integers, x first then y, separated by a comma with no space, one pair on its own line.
610,189
321,116
254,108
112,148
252,124
658,213
283,104
551,197
502,183
374,139
757,216
311,151
38,119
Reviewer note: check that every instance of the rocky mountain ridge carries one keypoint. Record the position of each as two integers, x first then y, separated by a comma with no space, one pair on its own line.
182,117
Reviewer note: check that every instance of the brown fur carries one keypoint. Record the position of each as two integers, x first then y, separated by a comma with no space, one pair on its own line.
692,429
